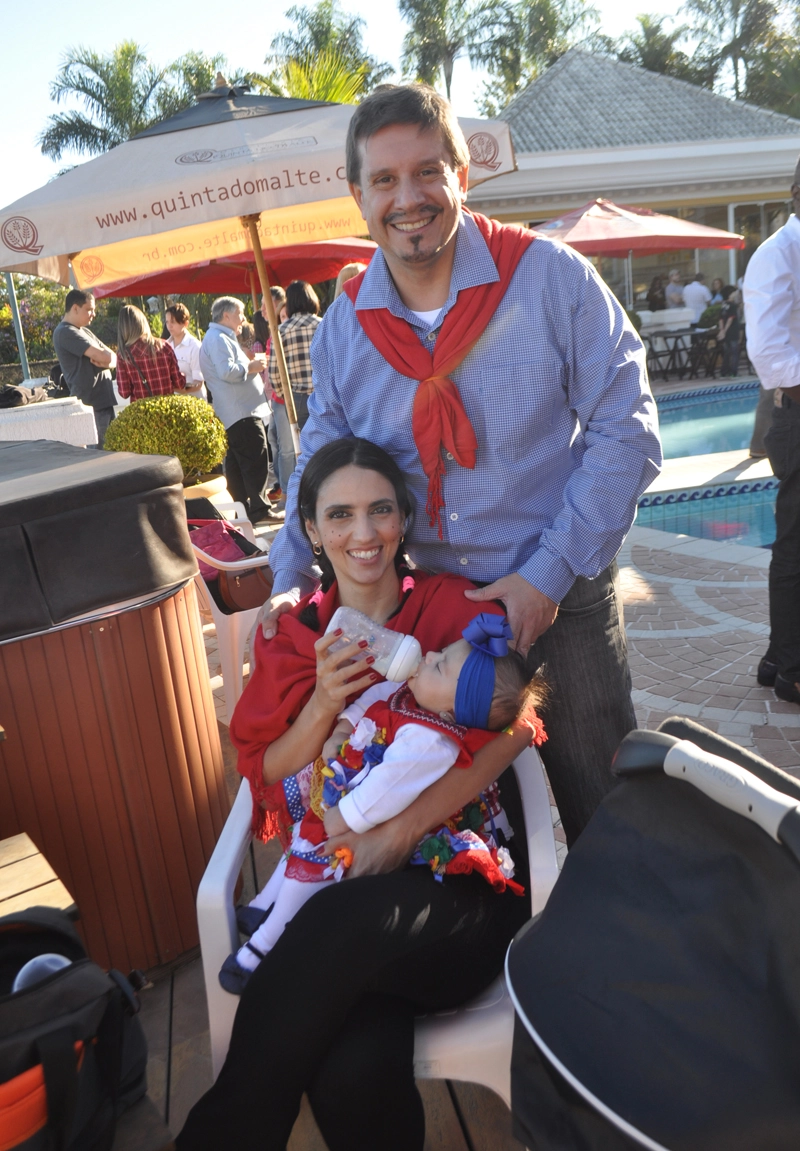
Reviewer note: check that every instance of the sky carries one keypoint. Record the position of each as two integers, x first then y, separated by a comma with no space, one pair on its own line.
36,35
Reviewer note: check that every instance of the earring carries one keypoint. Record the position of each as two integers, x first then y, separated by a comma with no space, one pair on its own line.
317,549
402,538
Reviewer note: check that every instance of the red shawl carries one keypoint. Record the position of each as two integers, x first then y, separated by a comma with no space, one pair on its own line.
438,418
436,612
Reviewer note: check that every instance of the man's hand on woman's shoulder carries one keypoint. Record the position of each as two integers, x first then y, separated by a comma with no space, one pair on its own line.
274,607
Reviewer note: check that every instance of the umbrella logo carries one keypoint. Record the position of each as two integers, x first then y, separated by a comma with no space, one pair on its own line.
483,150
92,267
19,234
199,156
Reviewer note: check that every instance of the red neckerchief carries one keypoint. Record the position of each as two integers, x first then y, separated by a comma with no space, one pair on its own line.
438,418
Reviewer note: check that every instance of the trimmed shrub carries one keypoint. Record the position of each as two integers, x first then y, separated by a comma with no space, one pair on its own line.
710,317
181,426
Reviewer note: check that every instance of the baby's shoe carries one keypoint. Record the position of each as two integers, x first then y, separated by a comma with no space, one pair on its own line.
232,976
249,919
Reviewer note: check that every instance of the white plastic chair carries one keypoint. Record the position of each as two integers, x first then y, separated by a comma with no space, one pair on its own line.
471,1043
232,630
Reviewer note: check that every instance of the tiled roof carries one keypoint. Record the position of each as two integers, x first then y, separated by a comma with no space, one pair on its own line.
592,101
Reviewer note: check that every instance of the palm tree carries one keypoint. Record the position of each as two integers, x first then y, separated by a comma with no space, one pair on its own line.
122,94
324,75
532,35
325,30
655,48
442,30
733,31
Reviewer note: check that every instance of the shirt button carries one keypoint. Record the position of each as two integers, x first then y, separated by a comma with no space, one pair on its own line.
454,516
449,456
463,561
431,335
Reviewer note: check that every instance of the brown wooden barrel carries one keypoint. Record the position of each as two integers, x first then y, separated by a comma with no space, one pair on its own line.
112,765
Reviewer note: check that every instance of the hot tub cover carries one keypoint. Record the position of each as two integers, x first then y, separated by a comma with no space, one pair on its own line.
84,529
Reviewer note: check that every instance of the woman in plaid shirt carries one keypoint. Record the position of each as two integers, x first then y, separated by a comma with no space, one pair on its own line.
145,366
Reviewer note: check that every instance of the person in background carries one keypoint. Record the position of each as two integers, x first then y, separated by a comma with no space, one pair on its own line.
716,291
186,348
345,274
697,297
772,313
280,433
728,331
237,392
246,337
260,345
302,308
656,298
145,366
85,361
674,290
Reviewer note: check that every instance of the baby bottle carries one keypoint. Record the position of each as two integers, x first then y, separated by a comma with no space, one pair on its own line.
396,655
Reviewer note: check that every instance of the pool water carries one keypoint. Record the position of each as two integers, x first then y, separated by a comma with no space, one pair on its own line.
736,513
697,423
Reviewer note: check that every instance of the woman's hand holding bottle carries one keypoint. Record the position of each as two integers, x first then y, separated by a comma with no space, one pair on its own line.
340,674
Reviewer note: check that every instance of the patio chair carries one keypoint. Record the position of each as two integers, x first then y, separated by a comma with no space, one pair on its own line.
471,1043
232,630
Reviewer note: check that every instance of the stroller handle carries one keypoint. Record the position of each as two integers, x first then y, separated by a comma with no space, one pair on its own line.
735,788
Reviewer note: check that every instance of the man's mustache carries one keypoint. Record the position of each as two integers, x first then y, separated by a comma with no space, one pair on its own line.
430,210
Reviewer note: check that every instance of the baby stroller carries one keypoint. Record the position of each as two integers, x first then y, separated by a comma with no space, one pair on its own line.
658,993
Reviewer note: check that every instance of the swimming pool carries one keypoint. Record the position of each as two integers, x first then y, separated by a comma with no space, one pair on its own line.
737,513
706,420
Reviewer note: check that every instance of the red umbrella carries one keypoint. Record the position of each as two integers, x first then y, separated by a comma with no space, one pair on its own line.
237,274
602,228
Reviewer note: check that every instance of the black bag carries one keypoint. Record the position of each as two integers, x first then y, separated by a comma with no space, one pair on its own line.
72,1054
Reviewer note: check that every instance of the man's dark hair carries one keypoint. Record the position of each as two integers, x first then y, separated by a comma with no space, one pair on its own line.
404,104
301,297
76,296
727,291
514,691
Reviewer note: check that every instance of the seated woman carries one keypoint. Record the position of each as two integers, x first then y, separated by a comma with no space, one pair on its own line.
145,366
330,1010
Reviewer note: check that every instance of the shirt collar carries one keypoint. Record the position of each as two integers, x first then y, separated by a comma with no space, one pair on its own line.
472,266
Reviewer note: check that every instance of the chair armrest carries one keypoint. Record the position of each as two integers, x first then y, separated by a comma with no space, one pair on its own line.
244,564
542,856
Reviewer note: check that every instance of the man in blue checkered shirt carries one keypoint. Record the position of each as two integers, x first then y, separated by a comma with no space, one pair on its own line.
557,393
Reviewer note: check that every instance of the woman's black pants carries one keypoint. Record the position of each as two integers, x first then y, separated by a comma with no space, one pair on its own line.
331,1010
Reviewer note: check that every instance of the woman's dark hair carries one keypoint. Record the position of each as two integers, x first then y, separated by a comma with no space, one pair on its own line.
332,458
727,291
301,297
261,328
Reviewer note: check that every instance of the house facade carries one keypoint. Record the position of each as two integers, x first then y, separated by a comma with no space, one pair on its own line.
592,126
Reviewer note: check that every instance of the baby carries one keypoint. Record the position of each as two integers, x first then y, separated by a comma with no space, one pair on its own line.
386,749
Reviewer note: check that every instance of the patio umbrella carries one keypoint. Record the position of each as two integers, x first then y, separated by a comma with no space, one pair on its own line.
602,228
315,261
232,173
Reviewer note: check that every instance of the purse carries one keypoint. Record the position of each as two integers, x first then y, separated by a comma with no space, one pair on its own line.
232,591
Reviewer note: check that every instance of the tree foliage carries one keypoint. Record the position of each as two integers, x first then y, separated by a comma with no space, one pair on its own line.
322,57
442,30
732,32
655,47
121,94
532,35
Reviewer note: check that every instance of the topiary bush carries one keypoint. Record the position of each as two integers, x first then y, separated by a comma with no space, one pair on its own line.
710,317
181,426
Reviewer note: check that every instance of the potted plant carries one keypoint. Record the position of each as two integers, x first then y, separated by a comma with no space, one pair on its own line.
181,426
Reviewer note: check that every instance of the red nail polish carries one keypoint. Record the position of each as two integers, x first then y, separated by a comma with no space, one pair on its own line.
370,659
363,643
338,631
374,675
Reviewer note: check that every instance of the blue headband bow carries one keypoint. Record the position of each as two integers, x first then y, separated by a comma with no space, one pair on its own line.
489,636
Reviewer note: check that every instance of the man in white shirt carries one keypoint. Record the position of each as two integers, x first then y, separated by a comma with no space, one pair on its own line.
186,348
674,290
697,297
772,316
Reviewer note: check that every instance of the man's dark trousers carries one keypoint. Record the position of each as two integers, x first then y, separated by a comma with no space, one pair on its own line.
584,658
247,465
782,442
